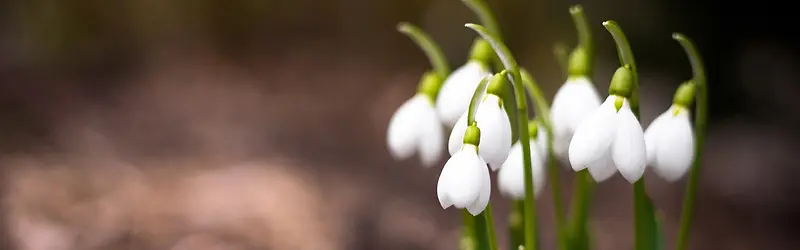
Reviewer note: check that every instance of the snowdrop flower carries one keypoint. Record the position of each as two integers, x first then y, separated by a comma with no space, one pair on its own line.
670,138
511,178
611,138
457,90
464,182
493,121
575,100
415,127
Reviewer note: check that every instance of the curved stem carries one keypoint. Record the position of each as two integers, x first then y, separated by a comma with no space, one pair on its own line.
701,121
481,9
582,25
477,96
561,52
431,49
533,89
543,111
626,57
522,120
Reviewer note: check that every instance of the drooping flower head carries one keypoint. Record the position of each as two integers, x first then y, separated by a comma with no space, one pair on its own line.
415,126
611,138
454,97
670,138
465,182
574,101
511,177
494,123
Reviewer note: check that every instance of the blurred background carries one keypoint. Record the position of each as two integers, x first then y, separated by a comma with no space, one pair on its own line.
253,124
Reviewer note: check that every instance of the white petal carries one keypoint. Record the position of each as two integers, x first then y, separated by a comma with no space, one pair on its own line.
652,135
541,143
495,132
561,147
559,116
456,138
511,177
431,141
404,127
460,183
594,136
628,150
586,100
483,199
456,92
675,150
603,168
574,102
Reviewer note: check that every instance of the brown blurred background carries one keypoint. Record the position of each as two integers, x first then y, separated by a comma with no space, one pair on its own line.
144,124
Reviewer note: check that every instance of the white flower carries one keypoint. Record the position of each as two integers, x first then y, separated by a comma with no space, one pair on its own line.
416,127
464,182
670,143
457,90
495,128
511,178
609,140
573,102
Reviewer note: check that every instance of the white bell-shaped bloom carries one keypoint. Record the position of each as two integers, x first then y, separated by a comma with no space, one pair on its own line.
464,182
415,127
670,143
457,90
610,140
511,177
495,128
574,101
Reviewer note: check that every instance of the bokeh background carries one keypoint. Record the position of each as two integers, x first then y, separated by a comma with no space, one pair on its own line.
260,124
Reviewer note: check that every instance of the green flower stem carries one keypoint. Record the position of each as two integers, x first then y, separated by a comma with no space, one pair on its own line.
579,216
515,222
561,52
481,235
489,229
469,239
481,9
522,121
477,96
582,25
431,49
543,111
644,217
701,121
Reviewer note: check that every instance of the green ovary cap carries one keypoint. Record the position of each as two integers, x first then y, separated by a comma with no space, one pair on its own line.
684,96
533,129
472,135
430,84
579,62
622,82
497,84
481,52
